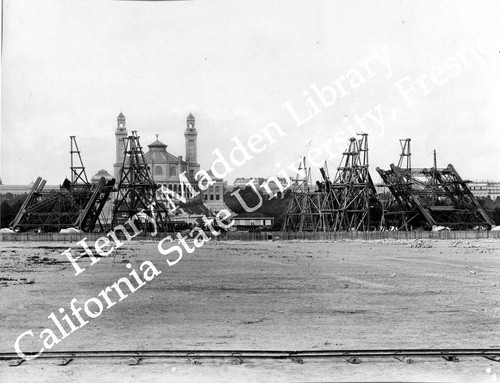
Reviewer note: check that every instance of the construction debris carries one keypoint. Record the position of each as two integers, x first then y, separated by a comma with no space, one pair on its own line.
420,243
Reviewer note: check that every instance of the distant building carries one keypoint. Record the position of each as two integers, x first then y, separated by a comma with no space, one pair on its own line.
166,168
191,215
485,189
258,182
251,221
15,190
99,174
243,182
213,197
107,210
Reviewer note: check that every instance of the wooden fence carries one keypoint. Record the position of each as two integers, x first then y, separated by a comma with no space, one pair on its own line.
265,236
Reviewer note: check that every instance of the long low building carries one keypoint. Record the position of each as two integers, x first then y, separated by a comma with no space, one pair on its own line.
16,190
485,188
250,221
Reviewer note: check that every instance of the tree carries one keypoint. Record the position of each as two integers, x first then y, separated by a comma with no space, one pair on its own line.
275,207
5,214
9,209
495,215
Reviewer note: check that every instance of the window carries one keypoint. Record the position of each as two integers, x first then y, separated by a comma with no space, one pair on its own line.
217,197
173,171
211,197
158,171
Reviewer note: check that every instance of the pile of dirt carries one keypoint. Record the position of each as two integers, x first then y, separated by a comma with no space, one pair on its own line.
414,243
35,259
227,242
463,243
7,281
389,241
420,243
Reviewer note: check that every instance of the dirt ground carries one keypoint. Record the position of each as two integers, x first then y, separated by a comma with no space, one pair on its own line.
262,295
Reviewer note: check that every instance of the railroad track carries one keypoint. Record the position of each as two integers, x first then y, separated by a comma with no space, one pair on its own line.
350,356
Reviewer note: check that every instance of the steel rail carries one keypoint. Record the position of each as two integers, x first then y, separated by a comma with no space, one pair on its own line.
490,353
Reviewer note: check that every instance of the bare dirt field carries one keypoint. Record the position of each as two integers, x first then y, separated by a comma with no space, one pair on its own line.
262,296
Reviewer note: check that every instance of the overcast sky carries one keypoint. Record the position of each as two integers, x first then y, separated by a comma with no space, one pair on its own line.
69,67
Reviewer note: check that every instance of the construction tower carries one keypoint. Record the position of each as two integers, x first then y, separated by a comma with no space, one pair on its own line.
78,204
303,212
349,202
137,192
355,198
430,198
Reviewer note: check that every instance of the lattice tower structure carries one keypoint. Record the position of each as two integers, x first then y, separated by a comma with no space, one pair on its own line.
425,198
355,204
137,193
77,204
349,202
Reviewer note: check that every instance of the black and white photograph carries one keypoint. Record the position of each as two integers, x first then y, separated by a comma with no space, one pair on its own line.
250,191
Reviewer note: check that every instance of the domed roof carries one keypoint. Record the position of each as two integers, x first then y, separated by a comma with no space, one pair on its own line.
159,155
157,144
99,174
156,157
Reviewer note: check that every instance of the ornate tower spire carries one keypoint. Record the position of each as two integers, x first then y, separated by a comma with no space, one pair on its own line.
190,134
121,120
190,121
120,136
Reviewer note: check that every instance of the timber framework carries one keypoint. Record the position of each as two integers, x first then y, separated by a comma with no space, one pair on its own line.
408,198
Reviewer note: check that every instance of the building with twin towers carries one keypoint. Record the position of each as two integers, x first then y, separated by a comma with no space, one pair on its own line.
166,167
